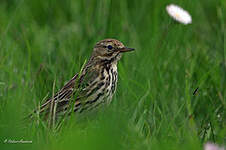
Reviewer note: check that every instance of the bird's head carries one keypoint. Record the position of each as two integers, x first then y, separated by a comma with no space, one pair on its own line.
109,50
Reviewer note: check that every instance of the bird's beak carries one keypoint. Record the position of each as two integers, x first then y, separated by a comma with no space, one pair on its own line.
125,49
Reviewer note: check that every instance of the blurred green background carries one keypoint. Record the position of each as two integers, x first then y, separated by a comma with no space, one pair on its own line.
42,41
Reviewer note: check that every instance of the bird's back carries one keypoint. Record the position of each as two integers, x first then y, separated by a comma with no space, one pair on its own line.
88,91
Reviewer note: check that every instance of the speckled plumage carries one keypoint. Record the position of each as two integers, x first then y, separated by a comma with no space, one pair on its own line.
95,86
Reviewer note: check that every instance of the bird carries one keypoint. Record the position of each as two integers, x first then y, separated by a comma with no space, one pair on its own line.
91,88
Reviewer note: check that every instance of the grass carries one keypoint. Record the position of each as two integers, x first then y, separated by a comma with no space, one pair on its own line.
47,42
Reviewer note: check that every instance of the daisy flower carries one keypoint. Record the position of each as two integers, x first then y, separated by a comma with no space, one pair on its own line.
211,146
179,14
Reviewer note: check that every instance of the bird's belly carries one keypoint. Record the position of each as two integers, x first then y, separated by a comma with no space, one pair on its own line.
111,86
104,89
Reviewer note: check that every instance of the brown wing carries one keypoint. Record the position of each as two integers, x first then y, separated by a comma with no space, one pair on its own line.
62,97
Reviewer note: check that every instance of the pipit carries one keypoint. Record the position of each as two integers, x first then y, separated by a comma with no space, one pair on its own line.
93,87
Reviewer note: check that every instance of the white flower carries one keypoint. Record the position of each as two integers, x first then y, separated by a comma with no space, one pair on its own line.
211,146
179,14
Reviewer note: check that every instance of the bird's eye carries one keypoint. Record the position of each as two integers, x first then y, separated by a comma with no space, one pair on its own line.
110,47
